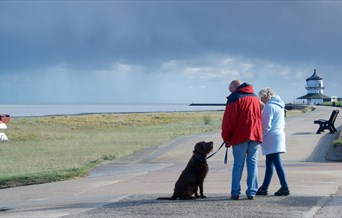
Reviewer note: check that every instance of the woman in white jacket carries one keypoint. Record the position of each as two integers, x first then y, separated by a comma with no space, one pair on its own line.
273,125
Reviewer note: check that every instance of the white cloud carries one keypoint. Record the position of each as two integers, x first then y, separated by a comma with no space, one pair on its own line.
169,66
123,67
211,68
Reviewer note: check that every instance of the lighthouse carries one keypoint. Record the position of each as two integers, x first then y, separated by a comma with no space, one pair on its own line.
315,88
314,84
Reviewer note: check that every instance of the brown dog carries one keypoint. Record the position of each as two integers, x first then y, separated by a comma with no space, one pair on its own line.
193,175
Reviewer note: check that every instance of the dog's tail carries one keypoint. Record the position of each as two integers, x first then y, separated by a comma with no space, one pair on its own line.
164,198
167,198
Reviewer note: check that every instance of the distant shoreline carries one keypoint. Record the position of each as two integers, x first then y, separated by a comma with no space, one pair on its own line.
73,110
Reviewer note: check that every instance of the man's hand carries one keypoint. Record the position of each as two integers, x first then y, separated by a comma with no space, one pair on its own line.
227,144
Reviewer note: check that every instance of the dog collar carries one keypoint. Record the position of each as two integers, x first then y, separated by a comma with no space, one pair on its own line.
201,157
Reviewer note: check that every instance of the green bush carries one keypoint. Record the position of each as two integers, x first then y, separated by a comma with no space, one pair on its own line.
207,119
337,142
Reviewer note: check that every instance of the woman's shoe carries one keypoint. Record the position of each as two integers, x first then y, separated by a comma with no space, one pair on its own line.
282,192
261,191
250,197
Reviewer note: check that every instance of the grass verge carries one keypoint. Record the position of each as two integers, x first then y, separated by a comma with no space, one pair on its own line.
56,148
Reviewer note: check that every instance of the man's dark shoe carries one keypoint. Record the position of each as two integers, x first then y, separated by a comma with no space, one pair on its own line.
282,192
234,197
261,191
250,197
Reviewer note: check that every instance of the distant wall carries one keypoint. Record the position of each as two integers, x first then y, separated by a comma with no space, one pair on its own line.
295,106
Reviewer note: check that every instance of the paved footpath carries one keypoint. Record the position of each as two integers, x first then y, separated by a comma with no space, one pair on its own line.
129,187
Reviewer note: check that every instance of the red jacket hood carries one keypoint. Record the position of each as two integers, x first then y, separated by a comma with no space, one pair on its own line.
246,88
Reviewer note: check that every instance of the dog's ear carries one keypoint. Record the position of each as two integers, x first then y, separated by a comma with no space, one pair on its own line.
200,147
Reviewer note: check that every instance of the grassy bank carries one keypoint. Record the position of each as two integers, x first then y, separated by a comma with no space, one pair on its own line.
54,148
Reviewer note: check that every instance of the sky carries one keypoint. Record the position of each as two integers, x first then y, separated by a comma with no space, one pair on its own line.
149,51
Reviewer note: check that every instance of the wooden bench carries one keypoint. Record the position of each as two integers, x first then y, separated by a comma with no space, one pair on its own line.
327,124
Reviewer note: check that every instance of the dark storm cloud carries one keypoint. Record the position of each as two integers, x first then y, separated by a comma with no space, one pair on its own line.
91,33
47,42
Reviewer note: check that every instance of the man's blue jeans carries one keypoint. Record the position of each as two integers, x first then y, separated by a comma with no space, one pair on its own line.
274,160
245,151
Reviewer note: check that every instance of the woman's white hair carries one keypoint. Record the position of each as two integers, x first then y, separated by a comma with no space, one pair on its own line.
267,93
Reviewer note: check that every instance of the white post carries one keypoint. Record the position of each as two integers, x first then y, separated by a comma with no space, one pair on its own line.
3,136
4,118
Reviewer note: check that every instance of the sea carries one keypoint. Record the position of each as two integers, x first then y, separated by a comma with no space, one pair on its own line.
61,109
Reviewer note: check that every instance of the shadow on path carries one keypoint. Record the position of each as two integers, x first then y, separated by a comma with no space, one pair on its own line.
213,206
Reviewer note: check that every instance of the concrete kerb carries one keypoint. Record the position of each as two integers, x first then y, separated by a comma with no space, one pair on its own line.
324,151
335,153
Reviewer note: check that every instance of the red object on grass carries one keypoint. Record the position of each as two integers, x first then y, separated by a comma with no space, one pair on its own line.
5,118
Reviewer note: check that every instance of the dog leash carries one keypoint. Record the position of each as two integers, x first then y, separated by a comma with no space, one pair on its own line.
225,156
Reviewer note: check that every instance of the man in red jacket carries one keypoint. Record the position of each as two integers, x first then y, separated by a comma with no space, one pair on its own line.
242,130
